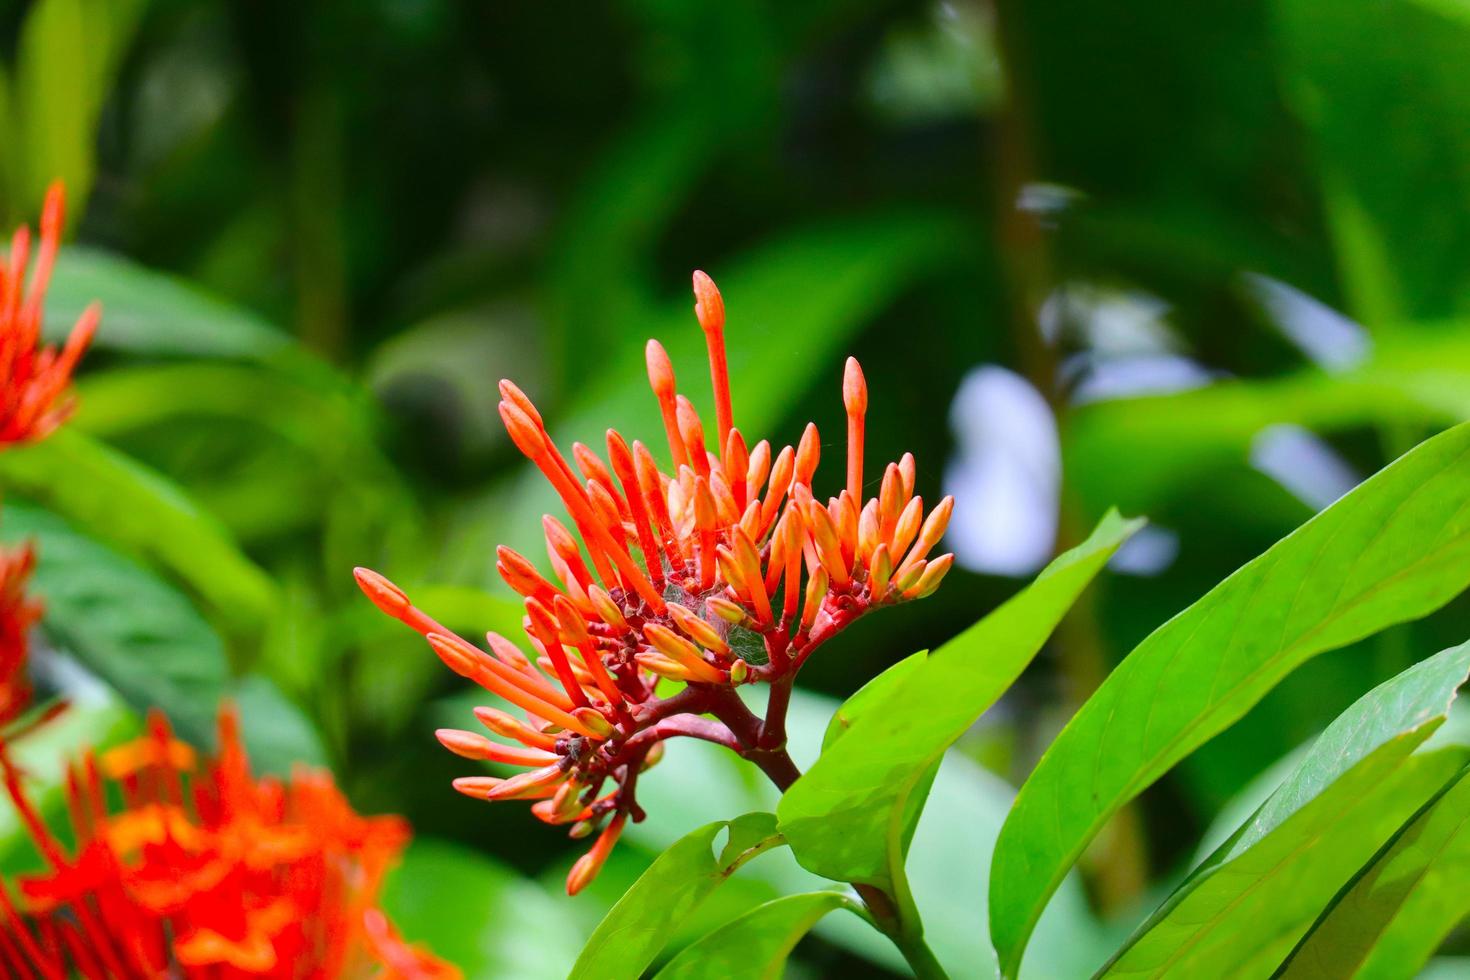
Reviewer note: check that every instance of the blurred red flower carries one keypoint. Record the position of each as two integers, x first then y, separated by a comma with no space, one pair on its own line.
33,380
204,871
18,612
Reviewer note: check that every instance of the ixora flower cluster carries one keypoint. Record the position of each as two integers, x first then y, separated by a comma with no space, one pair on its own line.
204,871
744,574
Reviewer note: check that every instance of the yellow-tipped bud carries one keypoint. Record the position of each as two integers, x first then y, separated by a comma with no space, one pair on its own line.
908,576
816,591
595,721
606,608
880,572
654,757
907,526
697,629
728,610
662,666
933,575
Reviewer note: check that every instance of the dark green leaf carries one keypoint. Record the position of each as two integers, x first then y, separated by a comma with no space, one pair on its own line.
844,819
755,946
123,623
1394,549
277,734
148,312
683,876
120,501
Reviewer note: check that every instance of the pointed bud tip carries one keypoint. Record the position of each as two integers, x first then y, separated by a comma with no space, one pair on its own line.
582,874
660,369
476,787
523,431
383,593
854,388
709,305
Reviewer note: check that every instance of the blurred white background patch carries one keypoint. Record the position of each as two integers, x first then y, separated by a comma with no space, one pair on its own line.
1004,476
1150,551
1329,339
1300,461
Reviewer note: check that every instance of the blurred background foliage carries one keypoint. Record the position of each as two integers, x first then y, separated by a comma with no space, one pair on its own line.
1209,262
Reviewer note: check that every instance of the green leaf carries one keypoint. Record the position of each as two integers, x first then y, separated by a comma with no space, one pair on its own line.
683,876
756,945
55,100
148,312
120,501
872,693
277,734
478,914
127,626
1392,918
1394,549
845,819
1240,912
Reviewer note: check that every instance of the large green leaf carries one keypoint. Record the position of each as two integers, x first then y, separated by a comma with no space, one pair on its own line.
874,692
120,501
698,782
756,945
683,876
478,914
1395,914
1253,898
148,312
121,621
845,819
1394,549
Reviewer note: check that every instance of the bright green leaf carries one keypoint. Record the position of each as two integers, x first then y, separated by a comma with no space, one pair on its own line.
872,693
478,914
1253,898
1392,918
120,501
683,876
127,626
1395,548
756,945
844,819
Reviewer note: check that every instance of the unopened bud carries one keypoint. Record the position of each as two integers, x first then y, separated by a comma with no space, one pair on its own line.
595,722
